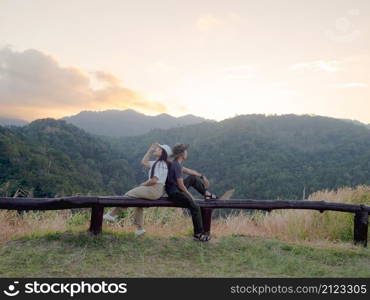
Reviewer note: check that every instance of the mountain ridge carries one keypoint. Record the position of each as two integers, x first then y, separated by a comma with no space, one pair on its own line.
128,122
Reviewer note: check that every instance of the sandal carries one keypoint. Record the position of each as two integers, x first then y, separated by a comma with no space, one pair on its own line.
210,197
201,237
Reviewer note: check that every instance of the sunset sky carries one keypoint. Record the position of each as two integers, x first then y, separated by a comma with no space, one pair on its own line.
214,59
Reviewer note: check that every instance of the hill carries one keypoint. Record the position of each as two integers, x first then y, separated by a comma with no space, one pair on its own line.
127,122
267,157
10,121
55,158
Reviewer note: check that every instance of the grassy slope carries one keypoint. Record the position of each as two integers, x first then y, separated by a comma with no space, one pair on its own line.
74,253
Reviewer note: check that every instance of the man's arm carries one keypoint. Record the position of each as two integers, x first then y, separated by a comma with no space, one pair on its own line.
191,172
195,173
182,187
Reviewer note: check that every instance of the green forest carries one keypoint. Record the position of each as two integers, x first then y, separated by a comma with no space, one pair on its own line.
54,158
262,157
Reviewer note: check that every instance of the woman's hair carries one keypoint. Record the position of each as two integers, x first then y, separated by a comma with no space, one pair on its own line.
163,157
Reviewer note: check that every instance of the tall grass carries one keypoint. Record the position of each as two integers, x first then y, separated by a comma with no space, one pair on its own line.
298,226
295,225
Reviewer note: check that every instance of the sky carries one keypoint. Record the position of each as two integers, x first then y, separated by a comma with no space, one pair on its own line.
215,59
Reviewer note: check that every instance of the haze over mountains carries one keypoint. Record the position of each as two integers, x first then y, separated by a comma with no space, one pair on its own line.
12,121
120,123
127,122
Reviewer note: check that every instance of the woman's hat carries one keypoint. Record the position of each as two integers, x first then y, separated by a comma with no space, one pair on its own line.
167,149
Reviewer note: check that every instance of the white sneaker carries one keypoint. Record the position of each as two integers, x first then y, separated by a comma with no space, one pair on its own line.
139,231
108,217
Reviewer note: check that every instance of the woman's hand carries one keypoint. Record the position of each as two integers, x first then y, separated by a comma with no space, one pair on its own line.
148,154
153,147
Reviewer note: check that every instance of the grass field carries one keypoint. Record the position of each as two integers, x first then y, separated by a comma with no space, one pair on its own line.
79,254
283,243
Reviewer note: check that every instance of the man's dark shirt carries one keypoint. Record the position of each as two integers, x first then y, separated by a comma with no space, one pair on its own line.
174,172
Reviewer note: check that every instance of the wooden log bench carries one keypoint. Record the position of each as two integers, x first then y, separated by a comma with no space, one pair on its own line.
97,204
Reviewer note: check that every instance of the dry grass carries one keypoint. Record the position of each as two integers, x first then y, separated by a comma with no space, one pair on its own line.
301,226
295,226
13,225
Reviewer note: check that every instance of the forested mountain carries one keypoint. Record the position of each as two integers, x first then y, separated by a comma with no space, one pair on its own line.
267,157
127,122
263,157
11,121
55,158
356,122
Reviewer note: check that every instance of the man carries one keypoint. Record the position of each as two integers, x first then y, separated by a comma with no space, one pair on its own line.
177,189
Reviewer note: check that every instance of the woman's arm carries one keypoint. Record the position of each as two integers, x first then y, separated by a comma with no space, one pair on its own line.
148,154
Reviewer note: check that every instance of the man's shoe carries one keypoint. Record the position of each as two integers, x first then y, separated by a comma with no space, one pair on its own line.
108,217
139,231
201,237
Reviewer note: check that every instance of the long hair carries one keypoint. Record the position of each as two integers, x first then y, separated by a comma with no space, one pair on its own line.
163,157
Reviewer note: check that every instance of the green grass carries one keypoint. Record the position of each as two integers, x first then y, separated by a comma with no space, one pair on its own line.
75,254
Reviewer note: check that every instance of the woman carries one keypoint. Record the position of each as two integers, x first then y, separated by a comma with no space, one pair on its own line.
151,189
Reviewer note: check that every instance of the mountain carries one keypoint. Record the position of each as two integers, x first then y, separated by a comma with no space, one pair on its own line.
10,121
356,122
54,158
266,157
127,122
262,157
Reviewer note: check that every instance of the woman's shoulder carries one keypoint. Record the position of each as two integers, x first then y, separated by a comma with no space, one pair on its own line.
162,164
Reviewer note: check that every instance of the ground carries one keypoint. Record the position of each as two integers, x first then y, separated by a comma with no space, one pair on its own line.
80,254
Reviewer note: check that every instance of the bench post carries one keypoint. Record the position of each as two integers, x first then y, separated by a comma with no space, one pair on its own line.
96,221
207,219
361,228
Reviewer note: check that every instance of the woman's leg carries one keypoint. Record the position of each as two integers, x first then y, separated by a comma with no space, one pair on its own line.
117,210
139,218
145,192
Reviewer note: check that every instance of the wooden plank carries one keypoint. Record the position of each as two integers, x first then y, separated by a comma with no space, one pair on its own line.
122,201
361,223
96,222
207,219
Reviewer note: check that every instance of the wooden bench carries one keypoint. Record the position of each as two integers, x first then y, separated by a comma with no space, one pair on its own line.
97,204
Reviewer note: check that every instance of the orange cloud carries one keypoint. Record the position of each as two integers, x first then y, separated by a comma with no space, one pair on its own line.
34,85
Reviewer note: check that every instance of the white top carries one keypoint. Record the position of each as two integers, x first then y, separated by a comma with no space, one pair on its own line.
160,171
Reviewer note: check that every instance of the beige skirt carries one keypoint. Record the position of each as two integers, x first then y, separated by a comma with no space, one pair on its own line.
152,192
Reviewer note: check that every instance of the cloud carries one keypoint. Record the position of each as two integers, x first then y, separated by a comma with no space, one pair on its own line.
317,66
106,77
208,22
33,84
349,85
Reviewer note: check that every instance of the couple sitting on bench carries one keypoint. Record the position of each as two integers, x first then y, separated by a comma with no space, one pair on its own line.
167,176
